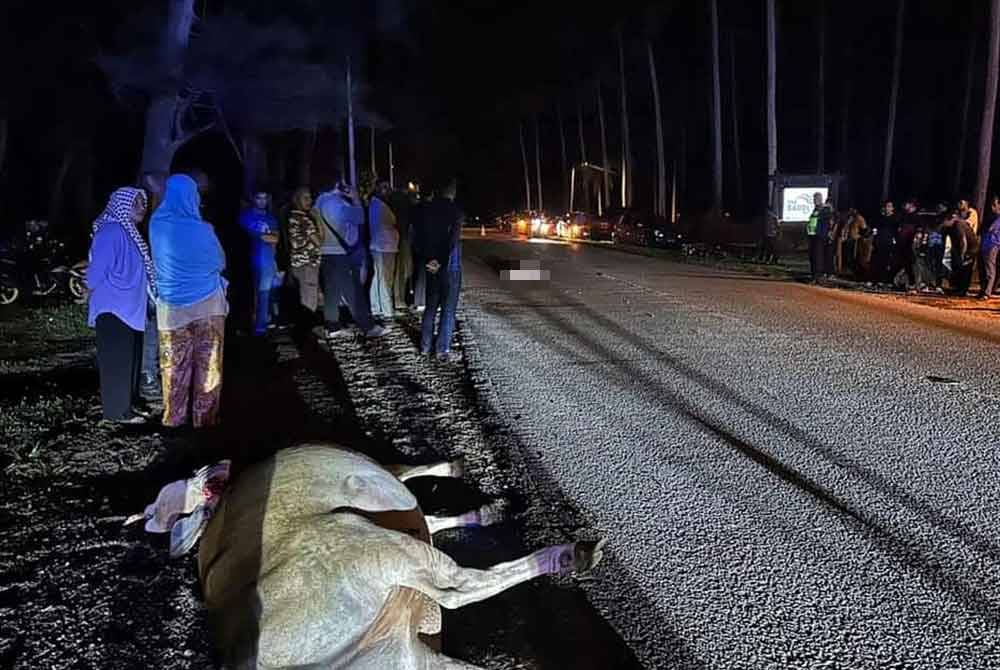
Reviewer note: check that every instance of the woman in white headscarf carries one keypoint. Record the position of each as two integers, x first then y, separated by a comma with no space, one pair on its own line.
121,279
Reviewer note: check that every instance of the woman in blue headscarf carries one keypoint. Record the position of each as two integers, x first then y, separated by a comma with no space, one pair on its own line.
191,309
120,278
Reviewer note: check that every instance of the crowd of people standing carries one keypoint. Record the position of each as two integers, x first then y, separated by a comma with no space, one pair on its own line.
915,250
158,294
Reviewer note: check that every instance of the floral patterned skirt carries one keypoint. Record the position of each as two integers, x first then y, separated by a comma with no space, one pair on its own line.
191,366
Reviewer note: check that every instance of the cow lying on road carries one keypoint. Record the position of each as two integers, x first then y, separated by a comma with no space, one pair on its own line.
297,574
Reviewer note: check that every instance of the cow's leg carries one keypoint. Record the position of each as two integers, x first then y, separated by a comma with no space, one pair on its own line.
487,515
435,574
436,661
451,469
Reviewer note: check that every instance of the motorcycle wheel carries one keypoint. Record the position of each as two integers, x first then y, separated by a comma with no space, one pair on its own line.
77,288
47,289
8,295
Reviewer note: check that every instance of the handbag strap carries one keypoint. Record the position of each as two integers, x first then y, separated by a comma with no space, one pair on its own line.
343,243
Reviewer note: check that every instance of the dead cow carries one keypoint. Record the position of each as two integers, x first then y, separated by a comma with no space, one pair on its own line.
297,574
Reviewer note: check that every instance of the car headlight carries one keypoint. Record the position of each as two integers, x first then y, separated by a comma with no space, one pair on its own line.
658,233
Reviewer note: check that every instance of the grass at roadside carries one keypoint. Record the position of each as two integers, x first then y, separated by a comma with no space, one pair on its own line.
29,335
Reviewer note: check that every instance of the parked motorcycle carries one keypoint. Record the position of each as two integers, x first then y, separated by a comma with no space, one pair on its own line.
9,284
39,267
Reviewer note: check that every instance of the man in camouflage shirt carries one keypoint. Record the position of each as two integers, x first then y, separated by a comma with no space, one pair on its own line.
305,235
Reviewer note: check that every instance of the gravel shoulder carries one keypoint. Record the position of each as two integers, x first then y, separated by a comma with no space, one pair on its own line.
77,590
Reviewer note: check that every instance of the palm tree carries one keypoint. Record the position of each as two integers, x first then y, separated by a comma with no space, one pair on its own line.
963,140
716,112
735,104
562,149
524,161
604,146
352,161
989,109
897,63
661,165
538,163
821,95
772,121
626,141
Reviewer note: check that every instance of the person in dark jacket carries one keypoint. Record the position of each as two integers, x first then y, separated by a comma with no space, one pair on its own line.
964,250
437,242
885,239
903,258
991,252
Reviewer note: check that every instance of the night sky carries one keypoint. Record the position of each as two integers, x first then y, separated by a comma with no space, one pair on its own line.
455,78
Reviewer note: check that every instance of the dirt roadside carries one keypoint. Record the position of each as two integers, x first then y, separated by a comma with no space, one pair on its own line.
77,590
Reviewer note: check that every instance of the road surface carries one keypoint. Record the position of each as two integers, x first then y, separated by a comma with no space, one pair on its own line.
789,476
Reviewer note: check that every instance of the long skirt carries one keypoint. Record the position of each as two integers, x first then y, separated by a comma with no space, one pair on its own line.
119,360
191,364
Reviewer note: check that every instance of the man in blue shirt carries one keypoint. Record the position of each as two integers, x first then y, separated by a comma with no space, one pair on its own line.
991,251
262,228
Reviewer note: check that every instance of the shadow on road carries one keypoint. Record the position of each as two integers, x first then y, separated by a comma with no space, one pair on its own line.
624,373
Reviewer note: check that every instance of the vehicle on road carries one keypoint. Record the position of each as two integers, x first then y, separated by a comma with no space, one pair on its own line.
577,226
644,229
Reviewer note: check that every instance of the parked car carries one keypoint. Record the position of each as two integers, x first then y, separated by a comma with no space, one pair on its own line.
646,230
631,227
602,228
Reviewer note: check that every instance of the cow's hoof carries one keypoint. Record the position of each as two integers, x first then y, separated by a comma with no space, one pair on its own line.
456,468
493,513
587,554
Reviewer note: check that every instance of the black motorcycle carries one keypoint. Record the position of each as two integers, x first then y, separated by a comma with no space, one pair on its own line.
40,268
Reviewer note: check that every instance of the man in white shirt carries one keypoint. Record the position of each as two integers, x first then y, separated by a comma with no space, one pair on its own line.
384,246
343,257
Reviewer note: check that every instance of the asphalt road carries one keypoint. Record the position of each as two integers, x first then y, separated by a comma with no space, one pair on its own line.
789,476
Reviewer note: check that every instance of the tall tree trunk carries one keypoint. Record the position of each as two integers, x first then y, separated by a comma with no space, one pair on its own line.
562,148
735,102
604,147
58,185
538,164
989,113
963,140
716,112
821,94
897,63
627,177
772,119
3,141
161,139
392,169
308,151
351,158
661,164
527,174
85,185
254,164
682,167
579,116
845,113
673,195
